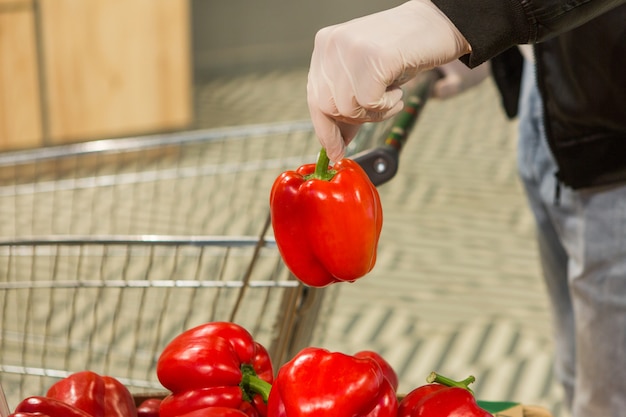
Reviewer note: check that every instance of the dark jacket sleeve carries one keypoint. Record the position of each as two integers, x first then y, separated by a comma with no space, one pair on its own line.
493,26
507,73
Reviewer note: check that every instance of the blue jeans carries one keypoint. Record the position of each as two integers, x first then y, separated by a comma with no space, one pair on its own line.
582,245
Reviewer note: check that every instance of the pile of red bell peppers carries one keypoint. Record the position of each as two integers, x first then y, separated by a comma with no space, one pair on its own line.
82,394
218,370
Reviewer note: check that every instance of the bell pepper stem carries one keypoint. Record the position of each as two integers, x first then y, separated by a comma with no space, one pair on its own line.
448,382
322,171
252,384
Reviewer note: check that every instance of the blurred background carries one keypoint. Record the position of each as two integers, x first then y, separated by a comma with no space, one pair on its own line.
172,117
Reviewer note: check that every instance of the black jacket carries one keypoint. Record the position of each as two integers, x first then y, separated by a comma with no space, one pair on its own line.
580,53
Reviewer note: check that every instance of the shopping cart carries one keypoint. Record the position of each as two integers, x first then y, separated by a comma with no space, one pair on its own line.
116,246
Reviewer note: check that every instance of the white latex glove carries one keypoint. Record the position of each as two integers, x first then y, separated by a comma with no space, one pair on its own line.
357,67
457,78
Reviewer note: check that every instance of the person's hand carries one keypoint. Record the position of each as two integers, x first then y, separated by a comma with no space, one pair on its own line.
458,77
357,67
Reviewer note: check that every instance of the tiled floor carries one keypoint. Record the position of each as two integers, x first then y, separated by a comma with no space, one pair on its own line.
456,288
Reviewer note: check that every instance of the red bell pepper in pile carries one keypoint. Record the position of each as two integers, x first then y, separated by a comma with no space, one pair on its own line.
385,366
46,407
326,221
149,408
217,364
442,397
216,412
79,395
317,382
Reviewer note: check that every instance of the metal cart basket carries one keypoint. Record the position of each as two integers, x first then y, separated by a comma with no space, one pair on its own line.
109,249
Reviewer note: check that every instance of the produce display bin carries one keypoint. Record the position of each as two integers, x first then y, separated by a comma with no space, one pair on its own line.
109,249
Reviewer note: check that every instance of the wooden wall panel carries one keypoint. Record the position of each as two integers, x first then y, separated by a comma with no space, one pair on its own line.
20,119
116,67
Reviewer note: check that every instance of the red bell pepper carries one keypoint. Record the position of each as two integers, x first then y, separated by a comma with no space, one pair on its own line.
98,396
149,408
83,390
46,407
386,367
326,222
118,401
442,397
317,382
28,415
216,364
216,412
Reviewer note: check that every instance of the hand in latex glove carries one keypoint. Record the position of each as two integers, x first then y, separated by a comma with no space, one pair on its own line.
357,67
457,77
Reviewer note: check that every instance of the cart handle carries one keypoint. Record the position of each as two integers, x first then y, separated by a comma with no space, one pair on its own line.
381,163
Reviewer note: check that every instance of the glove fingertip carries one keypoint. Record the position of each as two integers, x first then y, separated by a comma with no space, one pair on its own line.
331,138
394,110
336,153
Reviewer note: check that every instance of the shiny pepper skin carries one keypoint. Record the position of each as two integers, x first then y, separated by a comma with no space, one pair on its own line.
317,382
215,412
385,366
326,222
39,406
149,408
439,400
95,394
216,364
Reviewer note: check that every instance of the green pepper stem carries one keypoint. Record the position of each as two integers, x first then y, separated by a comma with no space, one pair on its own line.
252,384
440,379
322,172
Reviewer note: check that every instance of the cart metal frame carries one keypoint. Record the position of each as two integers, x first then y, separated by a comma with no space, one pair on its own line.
118,245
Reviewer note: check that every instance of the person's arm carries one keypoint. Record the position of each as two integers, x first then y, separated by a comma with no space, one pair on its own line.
357,67
493,26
